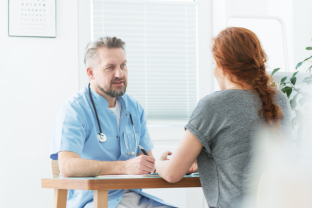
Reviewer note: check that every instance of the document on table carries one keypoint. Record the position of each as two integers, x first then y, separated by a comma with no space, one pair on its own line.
129,176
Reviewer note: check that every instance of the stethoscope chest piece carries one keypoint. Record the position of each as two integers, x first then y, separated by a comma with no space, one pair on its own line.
101,137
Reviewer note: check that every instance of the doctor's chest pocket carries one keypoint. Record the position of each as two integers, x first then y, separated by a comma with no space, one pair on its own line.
133,141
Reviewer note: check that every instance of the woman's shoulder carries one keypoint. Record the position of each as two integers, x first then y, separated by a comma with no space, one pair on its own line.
227,96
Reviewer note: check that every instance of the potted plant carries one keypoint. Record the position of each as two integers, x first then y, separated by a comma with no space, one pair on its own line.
300,100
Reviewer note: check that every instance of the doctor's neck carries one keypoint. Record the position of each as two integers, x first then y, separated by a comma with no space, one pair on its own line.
111,100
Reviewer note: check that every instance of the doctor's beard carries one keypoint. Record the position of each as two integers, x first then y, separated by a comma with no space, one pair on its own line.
115,93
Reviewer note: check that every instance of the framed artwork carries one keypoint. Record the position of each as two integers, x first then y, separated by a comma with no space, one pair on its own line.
32,18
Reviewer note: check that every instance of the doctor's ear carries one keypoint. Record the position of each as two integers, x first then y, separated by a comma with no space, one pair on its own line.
90,73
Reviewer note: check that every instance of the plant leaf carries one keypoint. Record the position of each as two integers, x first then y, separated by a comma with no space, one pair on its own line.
287,90
293,104
293,80
307,58
273,84
283,79
305,100
306,79
309,69
309,48
274,71
295,97
299,64
295,74
309,82
297,89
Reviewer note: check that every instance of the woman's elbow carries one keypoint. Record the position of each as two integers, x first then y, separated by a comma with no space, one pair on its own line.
172,178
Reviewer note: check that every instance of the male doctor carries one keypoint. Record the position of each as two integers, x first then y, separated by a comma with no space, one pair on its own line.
98,130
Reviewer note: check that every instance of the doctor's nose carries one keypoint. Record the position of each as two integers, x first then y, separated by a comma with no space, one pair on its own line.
119,73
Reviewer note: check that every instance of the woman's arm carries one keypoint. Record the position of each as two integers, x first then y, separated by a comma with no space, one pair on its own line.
173,170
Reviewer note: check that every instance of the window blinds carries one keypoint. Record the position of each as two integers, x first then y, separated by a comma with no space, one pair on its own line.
161,50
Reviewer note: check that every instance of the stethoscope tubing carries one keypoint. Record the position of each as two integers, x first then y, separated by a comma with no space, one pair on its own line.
99,125
96,114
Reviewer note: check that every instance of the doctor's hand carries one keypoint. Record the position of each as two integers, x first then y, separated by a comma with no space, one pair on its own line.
140,165
164,155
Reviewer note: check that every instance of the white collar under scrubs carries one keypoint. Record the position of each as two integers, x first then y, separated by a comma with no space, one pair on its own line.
75,129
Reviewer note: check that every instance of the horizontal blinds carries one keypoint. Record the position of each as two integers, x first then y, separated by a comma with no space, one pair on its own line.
161,52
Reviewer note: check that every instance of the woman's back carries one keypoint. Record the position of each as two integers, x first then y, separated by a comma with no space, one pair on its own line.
226,123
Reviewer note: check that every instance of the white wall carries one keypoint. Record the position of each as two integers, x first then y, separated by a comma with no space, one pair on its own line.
302,29
296,15
37,76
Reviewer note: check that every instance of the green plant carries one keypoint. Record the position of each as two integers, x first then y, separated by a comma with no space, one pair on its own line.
288,86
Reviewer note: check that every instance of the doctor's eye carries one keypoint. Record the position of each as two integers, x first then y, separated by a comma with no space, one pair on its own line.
110,68
123,65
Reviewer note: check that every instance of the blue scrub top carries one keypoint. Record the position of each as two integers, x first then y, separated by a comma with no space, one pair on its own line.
75,129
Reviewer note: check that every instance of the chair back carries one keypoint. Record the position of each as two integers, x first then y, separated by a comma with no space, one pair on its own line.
55,168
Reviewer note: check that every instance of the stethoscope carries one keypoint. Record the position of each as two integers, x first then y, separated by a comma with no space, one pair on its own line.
102,137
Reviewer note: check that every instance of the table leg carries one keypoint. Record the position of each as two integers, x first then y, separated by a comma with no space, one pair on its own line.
100,199
60,198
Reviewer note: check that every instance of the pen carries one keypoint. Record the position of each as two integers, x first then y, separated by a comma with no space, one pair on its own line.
143,150
145,153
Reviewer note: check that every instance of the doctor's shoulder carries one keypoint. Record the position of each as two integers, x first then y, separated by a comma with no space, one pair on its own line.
133,103
75,103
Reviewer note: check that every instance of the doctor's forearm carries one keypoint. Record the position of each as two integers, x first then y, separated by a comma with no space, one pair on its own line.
77,167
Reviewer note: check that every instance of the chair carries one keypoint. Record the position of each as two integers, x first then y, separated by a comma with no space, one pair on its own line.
55,169
59,194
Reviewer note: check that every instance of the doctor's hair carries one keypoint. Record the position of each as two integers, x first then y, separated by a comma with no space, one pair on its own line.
238,52
91,57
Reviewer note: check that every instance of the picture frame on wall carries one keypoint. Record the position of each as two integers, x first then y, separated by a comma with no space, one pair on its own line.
32,18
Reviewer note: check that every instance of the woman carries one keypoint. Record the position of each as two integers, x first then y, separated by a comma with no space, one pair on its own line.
223,126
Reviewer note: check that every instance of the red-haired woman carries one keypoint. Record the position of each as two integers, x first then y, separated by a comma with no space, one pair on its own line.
223,126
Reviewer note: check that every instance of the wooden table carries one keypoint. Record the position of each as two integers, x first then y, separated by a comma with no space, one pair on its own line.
101,186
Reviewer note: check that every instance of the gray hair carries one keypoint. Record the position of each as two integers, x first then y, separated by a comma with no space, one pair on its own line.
91,58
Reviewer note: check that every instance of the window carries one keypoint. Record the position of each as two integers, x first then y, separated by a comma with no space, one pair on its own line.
161,48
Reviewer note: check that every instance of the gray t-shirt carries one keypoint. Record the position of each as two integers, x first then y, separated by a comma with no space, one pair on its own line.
226,123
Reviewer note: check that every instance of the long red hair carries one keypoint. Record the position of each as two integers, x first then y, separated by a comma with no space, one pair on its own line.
238,52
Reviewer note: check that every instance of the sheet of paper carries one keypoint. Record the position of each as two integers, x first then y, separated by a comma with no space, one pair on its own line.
128,176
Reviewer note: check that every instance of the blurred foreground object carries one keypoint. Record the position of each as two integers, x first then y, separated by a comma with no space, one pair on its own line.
285,187
280,177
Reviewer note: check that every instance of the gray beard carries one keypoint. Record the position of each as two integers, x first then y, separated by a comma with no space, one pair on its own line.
111,93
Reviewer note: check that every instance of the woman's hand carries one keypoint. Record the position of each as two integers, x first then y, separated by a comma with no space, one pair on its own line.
164,155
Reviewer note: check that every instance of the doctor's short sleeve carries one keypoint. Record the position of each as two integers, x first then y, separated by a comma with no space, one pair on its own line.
145,139
69,130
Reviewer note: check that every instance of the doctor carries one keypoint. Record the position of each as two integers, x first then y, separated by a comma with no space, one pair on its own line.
98,130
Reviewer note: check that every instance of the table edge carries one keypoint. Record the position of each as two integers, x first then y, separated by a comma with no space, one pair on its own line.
113,184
